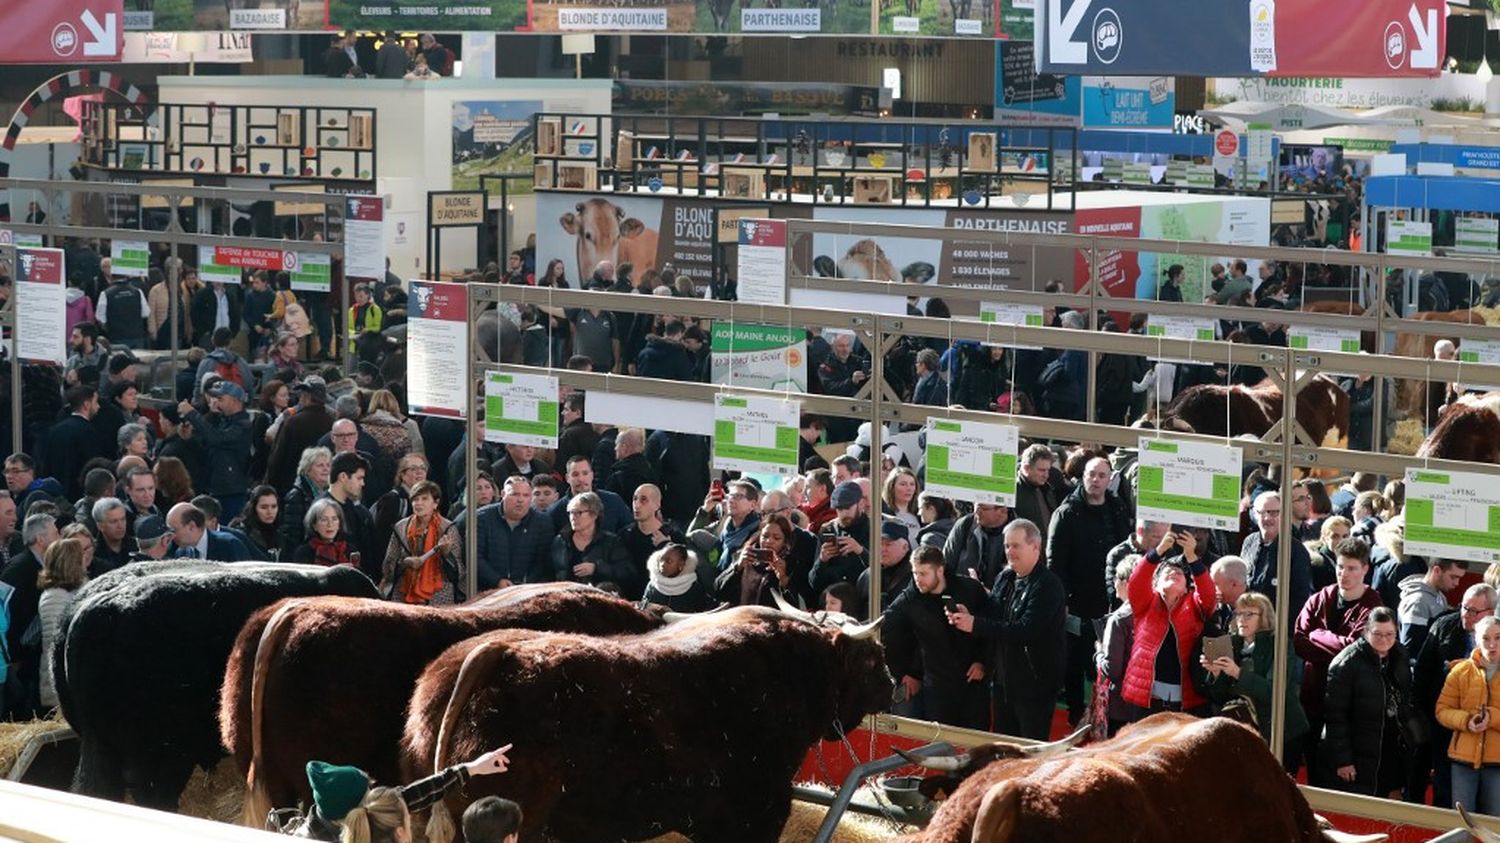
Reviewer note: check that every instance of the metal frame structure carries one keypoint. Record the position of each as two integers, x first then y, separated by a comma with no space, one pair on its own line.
1286,445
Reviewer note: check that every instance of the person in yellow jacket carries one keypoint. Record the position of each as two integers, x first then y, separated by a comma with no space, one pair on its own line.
1470,707
365,314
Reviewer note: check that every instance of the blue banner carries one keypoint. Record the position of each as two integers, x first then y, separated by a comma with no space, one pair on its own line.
1128,103
1144,37
1023,95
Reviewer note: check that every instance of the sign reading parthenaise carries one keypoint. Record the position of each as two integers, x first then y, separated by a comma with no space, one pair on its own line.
1189,483
1453,515
520,409
757,435
972,461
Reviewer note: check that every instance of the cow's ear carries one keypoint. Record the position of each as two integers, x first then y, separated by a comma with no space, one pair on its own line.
570,223
631,227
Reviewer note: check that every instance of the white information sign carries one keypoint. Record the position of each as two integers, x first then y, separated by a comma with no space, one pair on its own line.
364,237
1476,234
1479,351
437,349
520,409
41,306
1189,483
756,435
1404,237
1319,338
761,265
972,461
1453,515
210,272
1027,315
131,258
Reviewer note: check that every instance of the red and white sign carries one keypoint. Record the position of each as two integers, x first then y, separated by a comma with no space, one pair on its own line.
437,349
364,237
61,31
41,306
1358,38
252,258
1227,144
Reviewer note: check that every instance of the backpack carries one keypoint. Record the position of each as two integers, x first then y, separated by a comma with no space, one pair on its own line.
230,371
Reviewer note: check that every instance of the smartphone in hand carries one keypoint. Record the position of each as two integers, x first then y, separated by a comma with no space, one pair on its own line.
949,604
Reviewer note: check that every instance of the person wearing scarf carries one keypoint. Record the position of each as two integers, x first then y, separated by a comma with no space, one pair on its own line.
674,580
422,562
326,543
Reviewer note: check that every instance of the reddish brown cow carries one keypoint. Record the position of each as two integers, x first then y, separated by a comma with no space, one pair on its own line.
354,663
1468,430
605,234
697,728
1410,393
866,261
1322,410
1146,785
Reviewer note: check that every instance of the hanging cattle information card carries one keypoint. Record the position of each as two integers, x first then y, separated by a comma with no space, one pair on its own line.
757,435
520,409
972,461
1453,514
1189,483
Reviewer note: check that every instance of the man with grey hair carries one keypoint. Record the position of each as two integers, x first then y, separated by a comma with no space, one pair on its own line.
114,546
39,532
1231,578
931,390
1259,552
1025,620
1451,639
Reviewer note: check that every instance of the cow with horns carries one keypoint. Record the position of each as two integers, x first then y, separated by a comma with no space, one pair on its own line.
140,658
1142,786
696,728
355,662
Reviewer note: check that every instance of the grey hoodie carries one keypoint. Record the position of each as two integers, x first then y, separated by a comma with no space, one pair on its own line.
228,358
1419,607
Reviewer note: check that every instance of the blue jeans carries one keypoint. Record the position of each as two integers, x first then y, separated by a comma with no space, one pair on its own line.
1478,790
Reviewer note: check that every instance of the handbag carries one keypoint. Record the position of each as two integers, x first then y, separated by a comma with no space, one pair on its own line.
1415,732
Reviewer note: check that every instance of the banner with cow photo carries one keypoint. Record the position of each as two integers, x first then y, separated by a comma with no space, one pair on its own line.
583,229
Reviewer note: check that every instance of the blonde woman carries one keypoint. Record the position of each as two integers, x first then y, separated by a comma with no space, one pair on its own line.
64,571
396,434
1469,707
1247,675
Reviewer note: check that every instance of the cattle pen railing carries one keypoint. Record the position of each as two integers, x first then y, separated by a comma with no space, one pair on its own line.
1286,446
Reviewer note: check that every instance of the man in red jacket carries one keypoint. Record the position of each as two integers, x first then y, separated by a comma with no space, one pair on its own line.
1331,620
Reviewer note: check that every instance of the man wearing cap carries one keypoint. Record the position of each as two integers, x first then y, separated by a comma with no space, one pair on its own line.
895,573
225,434
189,527
841,542
299,432
153,540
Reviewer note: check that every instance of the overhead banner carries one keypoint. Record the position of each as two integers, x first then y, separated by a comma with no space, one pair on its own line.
642,96
437,349
759,356
756,435
584,229
364,237
520,409
1128,102
1453,515
1362,38
65,32
41,306
167,47
215,18
1189,483
972,461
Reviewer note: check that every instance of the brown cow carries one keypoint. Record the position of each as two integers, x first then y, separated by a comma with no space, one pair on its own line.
1410,393
1168,777
354,663
1468,430
697,728
866,261
605,234
1322,410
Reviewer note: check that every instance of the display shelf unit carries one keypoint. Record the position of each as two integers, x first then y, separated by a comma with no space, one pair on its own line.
830,161
283,142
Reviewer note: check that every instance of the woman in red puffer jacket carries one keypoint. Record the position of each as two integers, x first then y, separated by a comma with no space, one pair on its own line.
1169,611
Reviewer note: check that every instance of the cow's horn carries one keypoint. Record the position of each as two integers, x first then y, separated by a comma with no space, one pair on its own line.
864,630
783,605
1333,835
1046,750
670,618
1483,834
944,763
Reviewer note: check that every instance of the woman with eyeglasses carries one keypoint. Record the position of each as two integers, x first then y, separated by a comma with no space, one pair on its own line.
1367,708
326,544
586,552
424,561
1245,677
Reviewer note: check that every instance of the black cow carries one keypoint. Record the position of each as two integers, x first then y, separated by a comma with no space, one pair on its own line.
141,655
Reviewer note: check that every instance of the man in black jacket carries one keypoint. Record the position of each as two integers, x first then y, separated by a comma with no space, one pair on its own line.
73,441
39,532
664,357
941,669
1025,618
974,546
1085,526
842,373
631,469
225,434
1039,489
1450,640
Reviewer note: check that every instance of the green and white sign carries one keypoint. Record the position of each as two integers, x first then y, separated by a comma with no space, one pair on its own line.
997,313
1479,351
1135,173
757,435
1189,483
1181,327
1404,237
1200,175
1476,234
972,461
1318,338
759,356
210,272
313,272
1453,515
520,409
129,257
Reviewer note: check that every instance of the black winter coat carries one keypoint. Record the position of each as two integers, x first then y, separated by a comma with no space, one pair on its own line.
920,642
1079,539
1354,713
1026,620
1446,642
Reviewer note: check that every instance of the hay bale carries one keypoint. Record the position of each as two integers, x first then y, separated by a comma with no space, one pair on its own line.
1491,315
1406,438
15,736
217,794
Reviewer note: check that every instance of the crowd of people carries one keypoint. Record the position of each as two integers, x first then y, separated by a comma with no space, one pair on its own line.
996,616
387,56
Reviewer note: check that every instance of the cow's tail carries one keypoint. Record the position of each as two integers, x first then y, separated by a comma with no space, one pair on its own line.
440,828
272,639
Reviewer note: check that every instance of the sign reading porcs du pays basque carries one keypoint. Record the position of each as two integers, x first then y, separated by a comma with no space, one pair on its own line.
1348,38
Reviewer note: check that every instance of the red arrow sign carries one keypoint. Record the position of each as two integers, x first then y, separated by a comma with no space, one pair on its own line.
1361,38
62,31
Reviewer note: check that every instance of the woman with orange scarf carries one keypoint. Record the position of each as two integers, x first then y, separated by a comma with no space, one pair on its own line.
422,562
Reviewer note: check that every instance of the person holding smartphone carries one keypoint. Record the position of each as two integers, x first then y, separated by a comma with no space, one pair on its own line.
842,554
1169,599
1467,707
940,666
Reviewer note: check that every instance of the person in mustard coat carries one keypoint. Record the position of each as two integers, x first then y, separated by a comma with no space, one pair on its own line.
1470,707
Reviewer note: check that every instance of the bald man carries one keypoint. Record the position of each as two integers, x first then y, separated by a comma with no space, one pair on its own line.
630,470
1085,526
647,533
